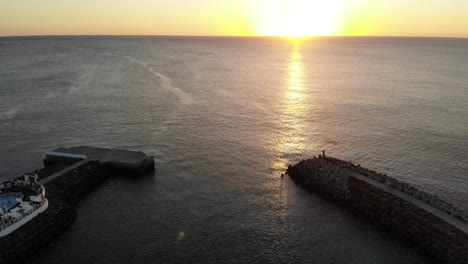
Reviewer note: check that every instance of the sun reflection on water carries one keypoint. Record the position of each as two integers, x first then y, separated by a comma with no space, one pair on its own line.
295,72
295,106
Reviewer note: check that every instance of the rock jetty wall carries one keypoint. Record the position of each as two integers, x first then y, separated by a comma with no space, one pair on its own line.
62,193
406,188
38,233
435,227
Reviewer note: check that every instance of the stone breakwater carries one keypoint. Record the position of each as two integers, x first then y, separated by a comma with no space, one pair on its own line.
62,193
433,200
435,227
67,182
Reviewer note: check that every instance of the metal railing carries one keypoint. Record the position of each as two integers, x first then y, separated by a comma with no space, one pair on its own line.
5,223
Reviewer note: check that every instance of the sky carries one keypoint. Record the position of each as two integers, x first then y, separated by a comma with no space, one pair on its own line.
294,18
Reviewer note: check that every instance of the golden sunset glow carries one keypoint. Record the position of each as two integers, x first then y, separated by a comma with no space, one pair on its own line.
301,18
295,106
292,18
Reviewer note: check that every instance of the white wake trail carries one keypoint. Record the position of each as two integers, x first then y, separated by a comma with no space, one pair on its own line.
9,113
166,83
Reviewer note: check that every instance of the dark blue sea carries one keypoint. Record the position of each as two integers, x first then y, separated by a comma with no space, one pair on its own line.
223,118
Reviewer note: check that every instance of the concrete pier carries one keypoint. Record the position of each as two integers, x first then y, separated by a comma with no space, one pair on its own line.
126,161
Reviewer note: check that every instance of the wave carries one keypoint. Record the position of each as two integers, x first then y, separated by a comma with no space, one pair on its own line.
9,113
83,80
166,82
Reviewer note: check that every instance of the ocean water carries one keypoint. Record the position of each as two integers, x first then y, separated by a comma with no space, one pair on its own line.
223,118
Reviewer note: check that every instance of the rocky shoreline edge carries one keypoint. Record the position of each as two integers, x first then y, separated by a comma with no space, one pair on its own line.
436,228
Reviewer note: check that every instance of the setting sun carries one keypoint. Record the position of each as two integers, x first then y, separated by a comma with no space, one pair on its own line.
301,18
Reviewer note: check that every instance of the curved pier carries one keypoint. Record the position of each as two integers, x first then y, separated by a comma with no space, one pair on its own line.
435,227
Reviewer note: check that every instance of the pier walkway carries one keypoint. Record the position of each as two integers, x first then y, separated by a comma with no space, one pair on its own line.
123,160
62,172
427,207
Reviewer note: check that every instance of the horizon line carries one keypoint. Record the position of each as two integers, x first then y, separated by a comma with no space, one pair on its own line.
232,36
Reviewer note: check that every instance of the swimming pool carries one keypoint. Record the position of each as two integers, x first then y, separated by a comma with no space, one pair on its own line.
9,199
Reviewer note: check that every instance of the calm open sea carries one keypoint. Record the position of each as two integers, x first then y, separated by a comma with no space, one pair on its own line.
223,118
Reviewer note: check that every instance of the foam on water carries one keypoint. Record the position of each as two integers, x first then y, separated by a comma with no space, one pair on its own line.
166,82
9,113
